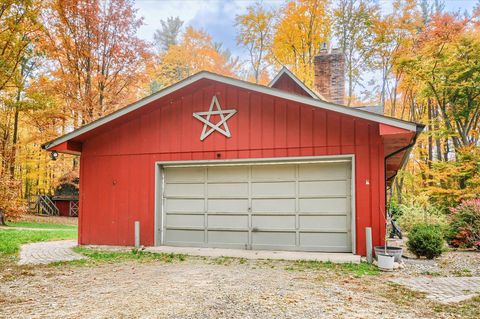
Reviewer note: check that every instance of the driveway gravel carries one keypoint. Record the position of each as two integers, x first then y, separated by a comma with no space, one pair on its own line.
198,288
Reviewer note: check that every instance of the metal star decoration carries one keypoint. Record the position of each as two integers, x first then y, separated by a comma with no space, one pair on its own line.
224,116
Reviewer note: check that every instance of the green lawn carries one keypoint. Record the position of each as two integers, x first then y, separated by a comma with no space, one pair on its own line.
11,239
42,225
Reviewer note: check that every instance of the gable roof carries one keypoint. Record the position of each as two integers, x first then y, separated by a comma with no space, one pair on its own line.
286,72
315,102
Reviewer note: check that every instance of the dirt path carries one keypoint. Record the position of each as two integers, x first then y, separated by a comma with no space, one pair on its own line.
201,289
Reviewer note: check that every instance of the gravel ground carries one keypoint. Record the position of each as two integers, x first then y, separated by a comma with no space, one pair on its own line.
198,288
450,264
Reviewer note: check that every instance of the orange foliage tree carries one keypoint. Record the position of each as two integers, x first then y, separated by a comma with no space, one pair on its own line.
195,52
98,60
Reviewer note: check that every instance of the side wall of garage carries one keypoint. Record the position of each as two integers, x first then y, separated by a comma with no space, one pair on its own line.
118,167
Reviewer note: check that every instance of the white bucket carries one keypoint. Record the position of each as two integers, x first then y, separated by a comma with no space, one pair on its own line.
385,262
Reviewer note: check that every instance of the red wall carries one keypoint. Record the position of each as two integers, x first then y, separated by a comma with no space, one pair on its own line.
63,207
285,83
118,170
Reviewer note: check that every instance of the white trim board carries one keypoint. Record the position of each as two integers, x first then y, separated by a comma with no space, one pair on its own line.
159,182
410,126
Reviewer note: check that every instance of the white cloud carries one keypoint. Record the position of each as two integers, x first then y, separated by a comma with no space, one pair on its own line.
216,17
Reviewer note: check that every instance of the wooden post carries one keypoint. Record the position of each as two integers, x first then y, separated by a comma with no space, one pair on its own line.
368,237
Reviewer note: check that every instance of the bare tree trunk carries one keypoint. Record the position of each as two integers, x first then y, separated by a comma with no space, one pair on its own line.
399,187
430,141
13,157
2,218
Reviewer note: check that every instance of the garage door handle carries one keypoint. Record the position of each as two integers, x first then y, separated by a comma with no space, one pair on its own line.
254,229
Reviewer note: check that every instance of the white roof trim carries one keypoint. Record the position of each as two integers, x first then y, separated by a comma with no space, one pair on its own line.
286,71
244,85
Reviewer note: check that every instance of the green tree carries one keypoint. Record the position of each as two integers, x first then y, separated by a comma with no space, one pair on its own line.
168,34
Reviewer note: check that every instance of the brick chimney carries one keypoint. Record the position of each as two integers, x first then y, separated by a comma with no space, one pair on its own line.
329,81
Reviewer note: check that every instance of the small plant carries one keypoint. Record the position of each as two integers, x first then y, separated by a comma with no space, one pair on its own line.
464,230
417,214
426,240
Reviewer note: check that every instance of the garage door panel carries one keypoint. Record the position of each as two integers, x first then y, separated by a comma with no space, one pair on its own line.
274,238
278,189
273,222
324,188
269,206
323,222
184,205
273,172
185,236
228,189
185,220
324,240
228,221
323,205
185,174
228,237
227,173
228,205
324,171
274,205
185,190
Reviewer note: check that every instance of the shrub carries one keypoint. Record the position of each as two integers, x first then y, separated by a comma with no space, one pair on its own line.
464,230
415,214
426,240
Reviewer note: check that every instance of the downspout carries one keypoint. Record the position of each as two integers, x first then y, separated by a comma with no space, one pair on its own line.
419,129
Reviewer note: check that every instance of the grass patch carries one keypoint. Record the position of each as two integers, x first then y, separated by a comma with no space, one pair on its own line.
431,273
401,295
223,260
462,273
27,224
103,256
357,270
466,309
12,239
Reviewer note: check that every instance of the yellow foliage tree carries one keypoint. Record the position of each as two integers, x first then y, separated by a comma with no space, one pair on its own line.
303,27
255,33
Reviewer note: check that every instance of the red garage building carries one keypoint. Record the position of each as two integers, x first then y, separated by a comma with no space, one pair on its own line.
218,162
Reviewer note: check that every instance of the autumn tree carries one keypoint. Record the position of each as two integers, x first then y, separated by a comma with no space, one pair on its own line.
195,52
255,34
445,63
19,29
353,28
302,27
168,34
98,58
394,34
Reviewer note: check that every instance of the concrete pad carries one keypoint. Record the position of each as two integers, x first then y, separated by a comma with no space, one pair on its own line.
258,254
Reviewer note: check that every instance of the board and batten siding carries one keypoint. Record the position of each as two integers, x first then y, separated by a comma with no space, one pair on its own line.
118,166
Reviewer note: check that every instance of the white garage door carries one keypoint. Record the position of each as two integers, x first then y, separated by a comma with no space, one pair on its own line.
287,206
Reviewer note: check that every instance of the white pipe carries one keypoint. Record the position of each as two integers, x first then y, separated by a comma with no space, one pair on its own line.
137,234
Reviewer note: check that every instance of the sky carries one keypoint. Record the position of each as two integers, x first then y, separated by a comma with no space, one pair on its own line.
214,16
217,17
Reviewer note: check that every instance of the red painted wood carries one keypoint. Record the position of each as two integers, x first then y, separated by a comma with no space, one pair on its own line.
69,147
117,180
286,83
63,207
